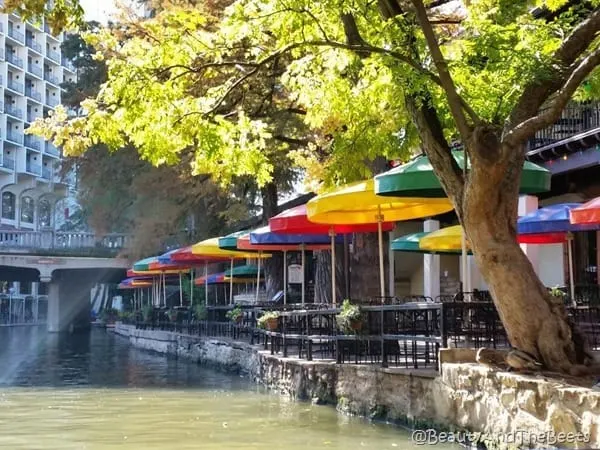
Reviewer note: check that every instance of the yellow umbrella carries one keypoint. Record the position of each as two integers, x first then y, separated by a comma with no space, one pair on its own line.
447,239
210,248
357,203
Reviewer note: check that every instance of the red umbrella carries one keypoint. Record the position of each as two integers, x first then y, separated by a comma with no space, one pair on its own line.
295,221
543,238
586,214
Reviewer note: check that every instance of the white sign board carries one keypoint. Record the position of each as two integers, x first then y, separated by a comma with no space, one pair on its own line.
295,274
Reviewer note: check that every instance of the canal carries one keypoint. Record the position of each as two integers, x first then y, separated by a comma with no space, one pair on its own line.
93,391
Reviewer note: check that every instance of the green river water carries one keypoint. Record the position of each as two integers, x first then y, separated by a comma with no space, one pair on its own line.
95,392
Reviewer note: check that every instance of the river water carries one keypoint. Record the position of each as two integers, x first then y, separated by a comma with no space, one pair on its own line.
95,392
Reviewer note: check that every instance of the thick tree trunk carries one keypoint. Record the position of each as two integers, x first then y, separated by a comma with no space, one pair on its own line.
534,321
273,265
364,275
323,275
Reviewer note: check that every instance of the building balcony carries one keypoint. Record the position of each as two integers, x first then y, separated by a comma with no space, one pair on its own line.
68,65
37,96
51,101
578,122
15,137
1,53
14,59
47,173
51,149
51,79
1,106
35,69
32,118
33,168
15,112
54,56
33,45
16,35
8,163
15,86
33,142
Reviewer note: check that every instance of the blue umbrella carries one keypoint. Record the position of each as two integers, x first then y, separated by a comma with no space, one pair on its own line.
555,219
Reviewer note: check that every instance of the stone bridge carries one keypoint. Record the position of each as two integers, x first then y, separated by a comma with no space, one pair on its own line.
71,262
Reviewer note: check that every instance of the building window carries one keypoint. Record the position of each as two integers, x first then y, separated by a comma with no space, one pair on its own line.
44,214
27,210
8,205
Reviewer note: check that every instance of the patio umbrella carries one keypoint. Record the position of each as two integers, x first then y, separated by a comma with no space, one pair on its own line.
264,236
448,239
586,214
357,203
555,219
417,179
411,243
210,247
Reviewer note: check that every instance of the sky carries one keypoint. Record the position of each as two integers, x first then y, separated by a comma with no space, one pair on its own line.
98,10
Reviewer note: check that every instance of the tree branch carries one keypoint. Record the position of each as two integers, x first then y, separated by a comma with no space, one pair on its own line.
538,91
454,100
551,114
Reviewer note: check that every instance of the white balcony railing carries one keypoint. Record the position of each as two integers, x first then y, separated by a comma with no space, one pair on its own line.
60,240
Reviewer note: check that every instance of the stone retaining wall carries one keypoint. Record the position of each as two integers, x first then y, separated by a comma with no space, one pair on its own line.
506,407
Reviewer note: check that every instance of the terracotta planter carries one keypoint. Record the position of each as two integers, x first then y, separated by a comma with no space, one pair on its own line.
356,325
239,319
272,324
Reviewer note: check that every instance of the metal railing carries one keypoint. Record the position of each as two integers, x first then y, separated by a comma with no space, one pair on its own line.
576,118
51,149
33,45
68,64
16,86
23,309
16,35
51,101
54,56
14,59
47,173
51,78
37,96
33,168
8,162
15,112
35,69
15,137
33,142
46,240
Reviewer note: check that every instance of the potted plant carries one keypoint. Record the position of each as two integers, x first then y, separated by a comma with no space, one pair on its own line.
235,315
349,319
560,295
268,321
200,312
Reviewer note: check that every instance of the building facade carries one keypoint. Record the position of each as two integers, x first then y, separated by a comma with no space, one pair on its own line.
32,70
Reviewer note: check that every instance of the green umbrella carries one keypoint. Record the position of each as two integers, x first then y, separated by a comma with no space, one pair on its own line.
144,264
229,242
417,179
248,270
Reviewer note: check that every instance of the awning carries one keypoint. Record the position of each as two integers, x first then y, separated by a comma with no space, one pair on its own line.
417,179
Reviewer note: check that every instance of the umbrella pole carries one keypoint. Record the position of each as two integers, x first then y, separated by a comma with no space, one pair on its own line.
180,290
463,239
191,287
257,277
381,266
332,235
303,272
571,276
206,285
164,289
231,283
285,277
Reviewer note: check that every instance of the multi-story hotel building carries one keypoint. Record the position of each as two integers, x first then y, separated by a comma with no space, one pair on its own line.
32,69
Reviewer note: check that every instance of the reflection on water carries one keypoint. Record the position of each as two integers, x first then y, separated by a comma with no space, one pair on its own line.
93,391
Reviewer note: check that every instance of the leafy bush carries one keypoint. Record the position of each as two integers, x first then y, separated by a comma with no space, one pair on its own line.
349,319
266,318
200,312
235,314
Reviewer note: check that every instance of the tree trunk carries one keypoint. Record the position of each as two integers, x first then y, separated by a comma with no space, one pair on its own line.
323,275
274,265
535,322
364,266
